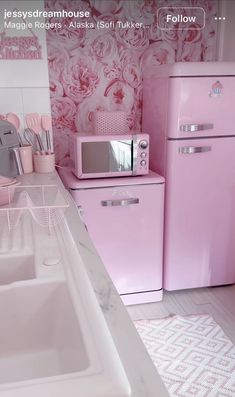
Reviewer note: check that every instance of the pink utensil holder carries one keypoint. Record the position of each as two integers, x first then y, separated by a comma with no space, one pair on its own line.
44,163
26,155
110,122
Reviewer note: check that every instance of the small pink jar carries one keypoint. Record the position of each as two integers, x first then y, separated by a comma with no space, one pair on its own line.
44,163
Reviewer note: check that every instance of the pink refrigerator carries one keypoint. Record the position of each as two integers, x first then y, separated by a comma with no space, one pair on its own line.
189,112
124,218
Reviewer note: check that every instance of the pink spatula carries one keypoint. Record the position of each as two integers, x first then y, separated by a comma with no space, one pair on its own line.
14,119
33,121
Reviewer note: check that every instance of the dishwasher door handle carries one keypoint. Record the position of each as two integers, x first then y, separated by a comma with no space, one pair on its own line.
196,127
120,202
194,149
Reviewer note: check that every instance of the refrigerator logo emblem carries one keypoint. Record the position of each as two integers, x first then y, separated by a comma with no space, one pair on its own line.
216,89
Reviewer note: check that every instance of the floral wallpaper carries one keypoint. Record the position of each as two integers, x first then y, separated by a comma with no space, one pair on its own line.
101,69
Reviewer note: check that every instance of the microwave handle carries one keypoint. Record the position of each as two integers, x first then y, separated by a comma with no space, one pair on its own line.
135,154
120,202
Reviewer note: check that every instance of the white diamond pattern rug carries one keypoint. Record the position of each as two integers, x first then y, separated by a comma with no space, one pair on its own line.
192,355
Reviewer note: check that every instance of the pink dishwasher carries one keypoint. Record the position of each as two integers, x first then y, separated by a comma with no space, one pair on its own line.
189,112
124,218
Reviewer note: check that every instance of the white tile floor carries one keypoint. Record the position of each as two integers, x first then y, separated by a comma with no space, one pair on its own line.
219,302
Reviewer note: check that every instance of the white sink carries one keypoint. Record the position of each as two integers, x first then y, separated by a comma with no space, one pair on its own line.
39,333
16,268
53,337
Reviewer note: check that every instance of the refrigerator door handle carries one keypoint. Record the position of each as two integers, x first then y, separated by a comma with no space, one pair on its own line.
195,127
120,202
194,149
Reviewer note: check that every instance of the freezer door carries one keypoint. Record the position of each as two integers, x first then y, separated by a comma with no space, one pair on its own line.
201,106
126,226
199,247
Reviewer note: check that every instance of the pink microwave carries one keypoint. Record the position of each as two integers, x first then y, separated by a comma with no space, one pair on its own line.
103,156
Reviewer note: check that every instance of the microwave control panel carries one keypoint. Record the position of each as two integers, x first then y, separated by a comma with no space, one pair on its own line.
143,155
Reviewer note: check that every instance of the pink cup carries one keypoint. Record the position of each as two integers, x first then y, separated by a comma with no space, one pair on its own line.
26,155
44,163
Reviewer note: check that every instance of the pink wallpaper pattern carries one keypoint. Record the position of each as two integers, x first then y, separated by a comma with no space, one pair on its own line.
101,69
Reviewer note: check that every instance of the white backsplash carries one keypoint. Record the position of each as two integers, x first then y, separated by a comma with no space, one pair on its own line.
24,84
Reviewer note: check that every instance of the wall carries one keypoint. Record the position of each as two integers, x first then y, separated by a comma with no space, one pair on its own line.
24,84
93,69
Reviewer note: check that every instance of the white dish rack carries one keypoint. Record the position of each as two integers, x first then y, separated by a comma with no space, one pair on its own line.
45,203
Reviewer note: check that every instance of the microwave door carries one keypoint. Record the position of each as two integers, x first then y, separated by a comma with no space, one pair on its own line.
121,156
110,156
114,157
95,157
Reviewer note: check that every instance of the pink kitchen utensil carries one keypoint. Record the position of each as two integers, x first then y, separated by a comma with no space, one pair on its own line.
47,127
14,119
33,121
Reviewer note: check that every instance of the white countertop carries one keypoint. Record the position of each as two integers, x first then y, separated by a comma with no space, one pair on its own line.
141,372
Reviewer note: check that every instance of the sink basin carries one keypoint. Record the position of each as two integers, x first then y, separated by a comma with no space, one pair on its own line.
54,340
16,268
40,334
